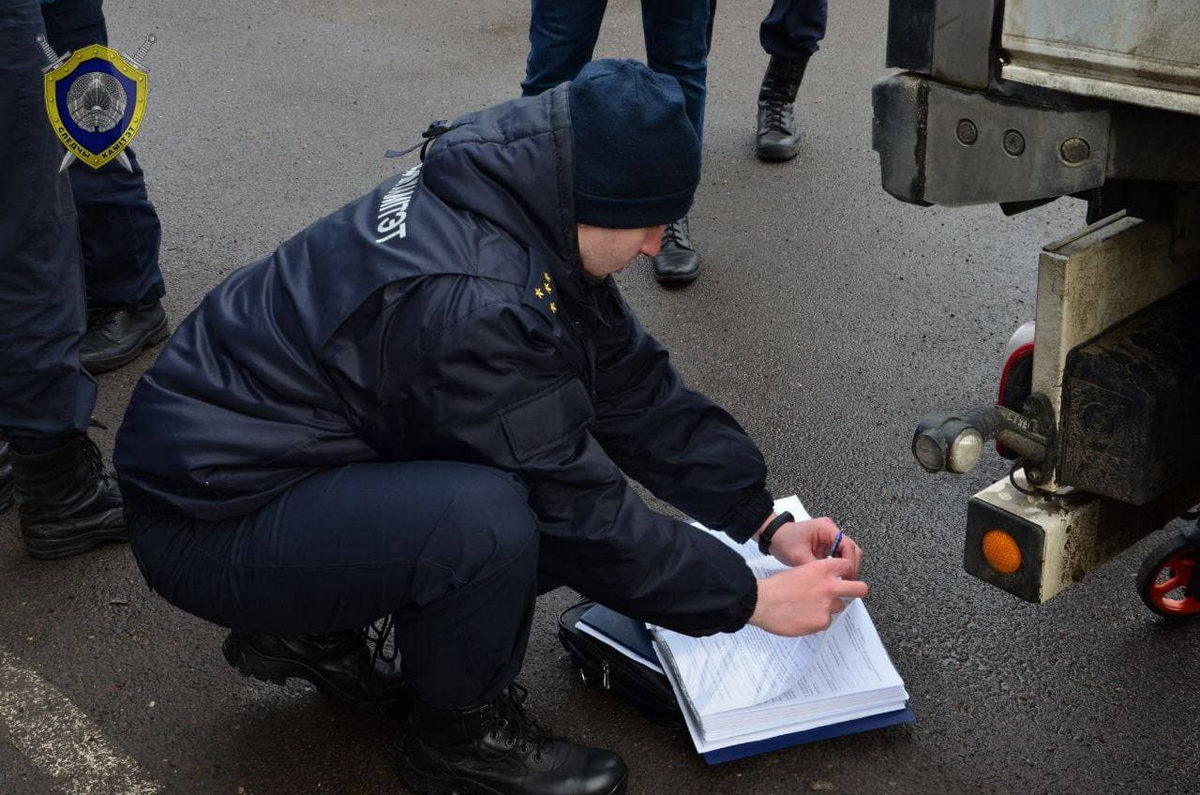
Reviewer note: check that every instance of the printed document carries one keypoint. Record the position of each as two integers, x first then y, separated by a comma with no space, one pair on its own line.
738,687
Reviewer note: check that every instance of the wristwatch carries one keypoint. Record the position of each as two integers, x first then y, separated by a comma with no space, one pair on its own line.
764,540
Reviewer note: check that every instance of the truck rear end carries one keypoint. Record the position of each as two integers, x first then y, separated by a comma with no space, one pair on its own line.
1019,103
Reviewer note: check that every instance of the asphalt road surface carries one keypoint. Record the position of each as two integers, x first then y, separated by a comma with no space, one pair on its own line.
828,317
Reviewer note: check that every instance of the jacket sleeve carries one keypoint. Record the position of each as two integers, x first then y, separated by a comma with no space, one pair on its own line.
675,441
495,389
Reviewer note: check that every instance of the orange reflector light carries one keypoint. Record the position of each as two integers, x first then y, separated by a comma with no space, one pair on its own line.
1001,552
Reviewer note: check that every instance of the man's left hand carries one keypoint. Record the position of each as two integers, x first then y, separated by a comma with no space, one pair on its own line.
797,543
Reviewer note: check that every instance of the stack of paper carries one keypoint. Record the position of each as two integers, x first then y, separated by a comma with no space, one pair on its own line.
749,692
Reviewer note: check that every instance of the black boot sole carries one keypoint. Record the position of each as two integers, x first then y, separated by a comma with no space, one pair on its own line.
277,670
59,548
153,337
686,278
776,154
6,498
430,783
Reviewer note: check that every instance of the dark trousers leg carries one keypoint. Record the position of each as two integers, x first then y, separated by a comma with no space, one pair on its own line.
450,550
562,36
43,390
678,34
118,226
793,28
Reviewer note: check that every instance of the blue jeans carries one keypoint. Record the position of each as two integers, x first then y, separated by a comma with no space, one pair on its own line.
449,550
562,36
118,227
793,28
43,389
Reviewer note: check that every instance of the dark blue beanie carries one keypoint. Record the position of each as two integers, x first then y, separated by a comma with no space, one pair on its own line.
637,158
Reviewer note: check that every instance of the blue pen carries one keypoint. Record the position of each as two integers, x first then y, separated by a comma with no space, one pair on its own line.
837,542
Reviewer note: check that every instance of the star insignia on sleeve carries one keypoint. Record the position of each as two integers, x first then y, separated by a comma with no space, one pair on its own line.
538,292
554,307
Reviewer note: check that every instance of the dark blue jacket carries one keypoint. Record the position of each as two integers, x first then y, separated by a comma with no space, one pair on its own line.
445,315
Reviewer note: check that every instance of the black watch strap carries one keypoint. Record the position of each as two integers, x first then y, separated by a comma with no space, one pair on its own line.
764,540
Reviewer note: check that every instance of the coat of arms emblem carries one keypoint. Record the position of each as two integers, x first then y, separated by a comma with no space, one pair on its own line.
95,98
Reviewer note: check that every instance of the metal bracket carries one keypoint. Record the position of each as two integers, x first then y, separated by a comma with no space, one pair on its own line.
943,145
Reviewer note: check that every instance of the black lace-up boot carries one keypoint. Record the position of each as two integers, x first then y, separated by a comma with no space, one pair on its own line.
115,337
497,748
778,137
348,668
69,504
676,261
6,479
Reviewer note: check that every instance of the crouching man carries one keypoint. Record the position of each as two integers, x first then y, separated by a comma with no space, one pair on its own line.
426,404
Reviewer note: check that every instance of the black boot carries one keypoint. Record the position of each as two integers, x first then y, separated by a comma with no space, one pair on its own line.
497,748
6,480
69,504
342,666
115,337
778,138
676,261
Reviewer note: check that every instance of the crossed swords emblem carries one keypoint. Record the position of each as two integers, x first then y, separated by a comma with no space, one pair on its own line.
96,101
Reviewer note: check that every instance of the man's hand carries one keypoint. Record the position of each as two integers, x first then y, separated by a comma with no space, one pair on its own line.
797,543
803,600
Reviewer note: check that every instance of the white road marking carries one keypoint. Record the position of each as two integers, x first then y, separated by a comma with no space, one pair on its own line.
60,739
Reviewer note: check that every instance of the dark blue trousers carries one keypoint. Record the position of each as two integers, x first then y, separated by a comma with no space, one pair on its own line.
563,33
450,550
43,389
118,227
793,28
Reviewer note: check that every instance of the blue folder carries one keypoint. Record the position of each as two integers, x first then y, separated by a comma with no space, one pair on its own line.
631,634
634,636
744,750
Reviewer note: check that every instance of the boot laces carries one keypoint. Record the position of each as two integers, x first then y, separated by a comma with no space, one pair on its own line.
775,102
675,233
521,732
775,111
93,457
380,638
778,93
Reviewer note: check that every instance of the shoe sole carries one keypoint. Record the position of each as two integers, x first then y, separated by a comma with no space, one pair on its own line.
776,155
6,499
429,783
691,277
152,338
277,670
55,549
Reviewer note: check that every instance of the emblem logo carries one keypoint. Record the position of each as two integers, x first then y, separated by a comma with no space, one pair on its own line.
95,98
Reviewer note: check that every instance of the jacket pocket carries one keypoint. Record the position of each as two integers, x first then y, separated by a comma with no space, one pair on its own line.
538,423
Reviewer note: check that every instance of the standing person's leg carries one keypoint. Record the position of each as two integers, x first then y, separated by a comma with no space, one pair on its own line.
68,503
562,36
449,550
790,34
678,34
118,225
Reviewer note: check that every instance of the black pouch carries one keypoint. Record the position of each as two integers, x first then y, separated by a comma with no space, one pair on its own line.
603,667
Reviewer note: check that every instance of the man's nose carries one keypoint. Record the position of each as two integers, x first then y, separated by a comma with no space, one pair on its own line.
653,242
